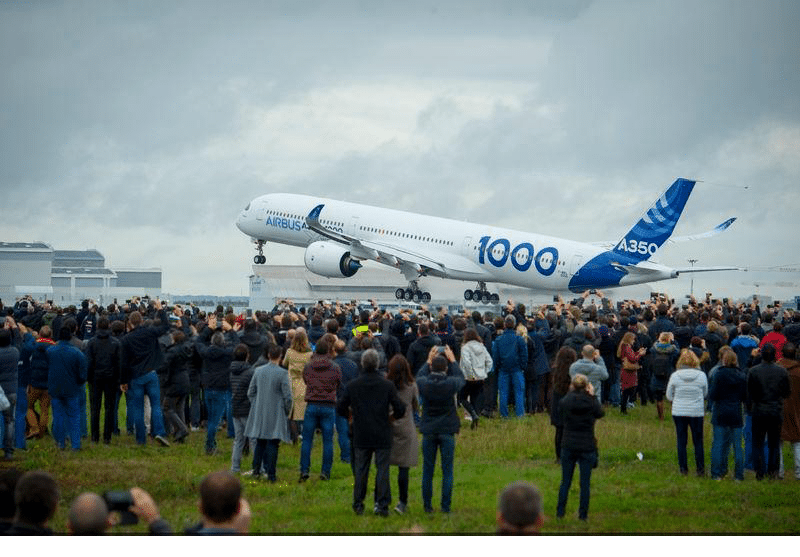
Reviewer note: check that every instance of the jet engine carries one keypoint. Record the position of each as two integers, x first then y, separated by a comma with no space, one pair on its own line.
331,260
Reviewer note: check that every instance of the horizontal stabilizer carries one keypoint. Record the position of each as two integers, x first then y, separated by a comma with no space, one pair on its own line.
713,232
706,269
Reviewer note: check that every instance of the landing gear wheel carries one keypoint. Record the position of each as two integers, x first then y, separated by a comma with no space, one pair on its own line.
408,295
468,295
399,293
426,297
417,297
486,297
495,298
260,259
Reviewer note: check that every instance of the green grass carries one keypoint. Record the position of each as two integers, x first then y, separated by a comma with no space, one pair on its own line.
629,496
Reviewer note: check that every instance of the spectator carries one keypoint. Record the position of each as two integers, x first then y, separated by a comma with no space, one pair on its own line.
141,357
687,389
240,376
419,349
561,381
270,397
366,399
176,384
790,431
628,377
475,363
592,366
65,379
349,372
510,357
88,515
37,390
405,444
519,510
36,497
104,355
439,381
663,358
297,356
767,387
728,391
8,507
322,378
9,361
579,410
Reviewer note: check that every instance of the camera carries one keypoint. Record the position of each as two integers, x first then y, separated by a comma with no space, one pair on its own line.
441,349
121,501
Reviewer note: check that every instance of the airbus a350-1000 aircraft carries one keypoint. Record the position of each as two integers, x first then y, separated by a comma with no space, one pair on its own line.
338,235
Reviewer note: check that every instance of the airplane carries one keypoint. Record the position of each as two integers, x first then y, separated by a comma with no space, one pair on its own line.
338,236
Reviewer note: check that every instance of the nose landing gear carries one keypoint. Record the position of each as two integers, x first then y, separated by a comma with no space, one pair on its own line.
260,259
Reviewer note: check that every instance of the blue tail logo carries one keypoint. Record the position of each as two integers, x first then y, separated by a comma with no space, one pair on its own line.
657,224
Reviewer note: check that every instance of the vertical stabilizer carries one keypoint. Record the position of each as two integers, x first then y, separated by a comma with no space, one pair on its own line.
657,224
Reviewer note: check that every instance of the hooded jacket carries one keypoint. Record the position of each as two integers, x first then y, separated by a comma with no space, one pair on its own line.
67,372
687,389
175,372
438,390
104,356
240,375
476,363
39,364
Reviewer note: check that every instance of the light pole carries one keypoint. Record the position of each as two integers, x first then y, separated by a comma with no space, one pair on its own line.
691,289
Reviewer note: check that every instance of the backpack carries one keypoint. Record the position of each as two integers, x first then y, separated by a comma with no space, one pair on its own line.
661,364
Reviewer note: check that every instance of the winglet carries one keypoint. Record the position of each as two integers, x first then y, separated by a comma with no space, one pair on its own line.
657,224
313,216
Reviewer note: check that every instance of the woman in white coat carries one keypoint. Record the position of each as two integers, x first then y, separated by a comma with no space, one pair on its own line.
688,389
476,363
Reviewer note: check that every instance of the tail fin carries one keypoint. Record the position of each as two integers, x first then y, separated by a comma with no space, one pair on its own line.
657,224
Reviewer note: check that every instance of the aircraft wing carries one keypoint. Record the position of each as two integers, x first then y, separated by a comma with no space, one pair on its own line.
436,263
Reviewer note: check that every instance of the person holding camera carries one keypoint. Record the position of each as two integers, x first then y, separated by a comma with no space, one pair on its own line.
439,380
579,410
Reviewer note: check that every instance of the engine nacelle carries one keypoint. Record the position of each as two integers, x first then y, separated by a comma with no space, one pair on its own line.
331,260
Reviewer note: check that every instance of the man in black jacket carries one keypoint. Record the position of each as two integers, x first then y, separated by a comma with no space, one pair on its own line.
439,380
104,354
420,348
141,357
767,386
367,398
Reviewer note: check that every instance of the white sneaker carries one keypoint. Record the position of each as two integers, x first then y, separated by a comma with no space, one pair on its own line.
467,417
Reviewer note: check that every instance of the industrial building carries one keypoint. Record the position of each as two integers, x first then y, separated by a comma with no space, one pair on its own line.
69,276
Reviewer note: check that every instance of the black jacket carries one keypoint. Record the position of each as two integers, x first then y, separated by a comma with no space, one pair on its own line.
767,386
369,397
104,356
728,391
419,350
240,375
579,411
175,371
437,390
141,352
255,342
216,366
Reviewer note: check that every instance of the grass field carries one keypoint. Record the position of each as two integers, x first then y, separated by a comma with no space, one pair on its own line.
629,496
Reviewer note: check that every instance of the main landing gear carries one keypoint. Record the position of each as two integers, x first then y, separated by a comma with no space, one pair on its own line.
481,295
260,259
412,293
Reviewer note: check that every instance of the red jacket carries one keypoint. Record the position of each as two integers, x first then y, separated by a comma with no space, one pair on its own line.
322,377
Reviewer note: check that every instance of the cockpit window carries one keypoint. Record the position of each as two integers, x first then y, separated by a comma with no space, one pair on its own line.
247,208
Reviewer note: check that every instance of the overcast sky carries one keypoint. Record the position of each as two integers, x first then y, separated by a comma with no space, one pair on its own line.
143,128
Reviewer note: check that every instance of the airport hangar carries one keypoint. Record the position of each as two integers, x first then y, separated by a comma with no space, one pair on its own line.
67,277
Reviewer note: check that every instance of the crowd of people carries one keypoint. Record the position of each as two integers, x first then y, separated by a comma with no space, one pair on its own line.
374,378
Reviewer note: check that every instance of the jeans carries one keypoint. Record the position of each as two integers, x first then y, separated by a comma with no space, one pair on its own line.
585,460
238,442
66,421
505,380
19,417
724,437
8,421
38,423
82,404
343,439
682,426
194,407
769,427
217,403
446,444
322,417
146,384
265,455
229,416
383,494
